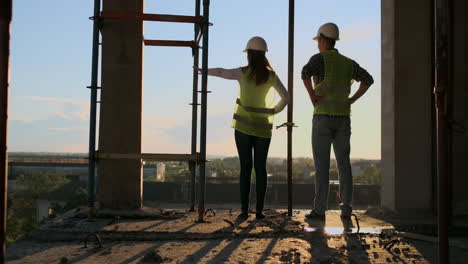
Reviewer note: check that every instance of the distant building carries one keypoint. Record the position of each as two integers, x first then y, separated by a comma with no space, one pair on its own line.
307,172
161,172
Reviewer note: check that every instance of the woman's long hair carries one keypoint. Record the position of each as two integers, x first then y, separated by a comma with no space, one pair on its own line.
258,66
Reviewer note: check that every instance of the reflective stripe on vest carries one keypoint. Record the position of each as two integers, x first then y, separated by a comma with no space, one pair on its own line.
250,123
256,109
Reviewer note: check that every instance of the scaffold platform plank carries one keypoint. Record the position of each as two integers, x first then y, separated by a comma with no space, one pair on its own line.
151,156
151,17
170,43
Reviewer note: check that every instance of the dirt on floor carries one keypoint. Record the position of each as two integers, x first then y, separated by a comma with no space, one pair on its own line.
223,238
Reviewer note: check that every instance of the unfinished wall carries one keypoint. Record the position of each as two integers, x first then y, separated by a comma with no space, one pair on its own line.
460,108
406,106
120,180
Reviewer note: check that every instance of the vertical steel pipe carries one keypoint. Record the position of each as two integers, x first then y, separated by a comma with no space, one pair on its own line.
290,105
441,89
204,95
5,22
93,108
192,164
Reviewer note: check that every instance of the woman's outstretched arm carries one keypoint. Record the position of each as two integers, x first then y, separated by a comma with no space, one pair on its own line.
229,74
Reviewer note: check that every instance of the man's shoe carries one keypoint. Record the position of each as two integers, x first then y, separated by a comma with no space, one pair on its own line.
345,217
260,215
313,215
243,215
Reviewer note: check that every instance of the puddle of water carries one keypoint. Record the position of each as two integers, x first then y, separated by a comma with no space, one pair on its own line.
341,230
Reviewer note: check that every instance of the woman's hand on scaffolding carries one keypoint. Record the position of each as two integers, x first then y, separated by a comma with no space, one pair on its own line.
198,69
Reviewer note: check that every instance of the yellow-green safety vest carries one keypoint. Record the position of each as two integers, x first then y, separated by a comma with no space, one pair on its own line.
336,85
253,114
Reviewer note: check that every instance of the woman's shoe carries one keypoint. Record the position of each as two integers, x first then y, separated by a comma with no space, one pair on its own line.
260,215
243,215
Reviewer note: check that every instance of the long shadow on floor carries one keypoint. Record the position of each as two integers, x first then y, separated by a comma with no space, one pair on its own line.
227,251
142,253
198,255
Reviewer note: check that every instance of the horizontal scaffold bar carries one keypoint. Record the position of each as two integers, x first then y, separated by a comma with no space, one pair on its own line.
151,17
151,156
171,43
57,160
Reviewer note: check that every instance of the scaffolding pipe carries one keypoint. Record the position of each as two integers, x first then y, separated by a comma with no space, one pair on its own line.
196,53
5,22
290,105
204,93
441,89
93,108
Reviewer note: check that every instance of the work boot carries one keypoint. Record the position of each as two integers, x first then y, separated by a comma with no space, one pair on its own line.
243,215
313,215
260,215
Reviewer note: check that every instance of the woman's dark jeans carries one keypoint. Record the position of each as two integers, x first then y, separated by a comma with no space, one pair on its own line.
245,143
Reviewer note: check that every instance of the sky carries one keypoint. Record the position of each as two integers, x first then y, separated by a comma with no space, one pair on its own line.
51,67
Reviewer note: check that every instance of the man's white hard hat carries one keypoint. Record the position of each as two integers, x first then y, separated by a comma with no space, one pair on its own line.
256,43
329,30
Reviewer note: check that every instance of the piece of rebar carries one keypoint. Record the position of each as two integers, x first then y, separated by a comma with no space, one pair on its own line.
98,239
5,22
357,222
290,105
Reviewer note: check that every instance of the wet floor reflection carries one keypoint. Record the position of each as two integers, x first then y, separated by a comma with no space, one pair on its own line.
342,230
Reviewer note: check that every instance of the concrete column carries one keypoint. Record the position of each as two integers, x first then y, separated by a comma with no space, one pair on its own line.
406,106
459,108
120,180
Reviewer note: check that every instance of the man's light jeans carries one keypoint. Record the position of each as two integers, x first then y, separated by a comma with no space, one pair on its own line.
328,130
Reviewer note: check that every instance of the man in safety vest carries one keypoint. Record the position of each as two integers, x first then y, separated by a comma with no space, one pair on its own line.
332,74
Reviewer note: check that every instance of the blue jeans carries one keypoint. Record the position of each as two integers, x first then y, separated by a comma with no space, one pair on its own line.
328,131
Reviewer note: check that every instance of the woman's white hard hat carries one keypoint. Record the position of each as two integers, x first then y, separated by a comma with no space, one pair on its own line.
256,43
329,30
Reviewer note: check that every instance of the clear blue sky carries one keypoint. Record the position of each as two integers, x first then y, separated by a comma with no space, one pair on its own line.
51,58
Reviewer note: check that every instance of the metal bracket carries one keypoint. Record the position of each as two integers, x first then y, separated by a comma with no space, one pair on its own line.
204,91
93,87
193,104
287,124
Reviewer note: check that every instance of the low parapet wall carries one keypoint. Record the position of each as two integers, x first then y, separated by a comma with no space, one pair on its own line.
303,194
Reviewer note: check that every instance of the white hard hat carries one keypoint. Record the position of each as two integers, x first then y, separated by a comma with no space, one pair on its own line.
256,43
329,30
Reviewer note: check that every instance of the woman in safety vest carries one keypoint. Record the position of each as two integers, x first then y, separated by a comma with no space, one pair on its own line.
253,117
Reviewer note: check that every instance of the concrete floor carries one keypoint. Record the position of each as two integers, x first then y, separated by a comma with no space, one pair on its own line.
175,237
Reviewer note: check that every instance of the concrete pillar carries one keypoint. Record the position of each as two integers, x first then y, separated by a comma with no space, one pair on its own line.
407,87
120,180
460,108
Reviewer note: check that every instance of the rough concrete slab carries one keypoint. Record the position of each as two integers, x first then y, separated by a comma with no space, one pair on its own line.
174,236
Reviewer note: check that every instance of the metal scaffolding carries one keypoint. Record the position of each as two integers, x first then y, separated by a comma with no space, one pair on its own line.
201,26
442,89
5,21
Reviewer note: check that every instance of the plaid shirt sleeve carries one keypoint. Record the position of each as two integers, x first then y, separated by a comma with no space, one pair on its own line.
313,67
361,75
